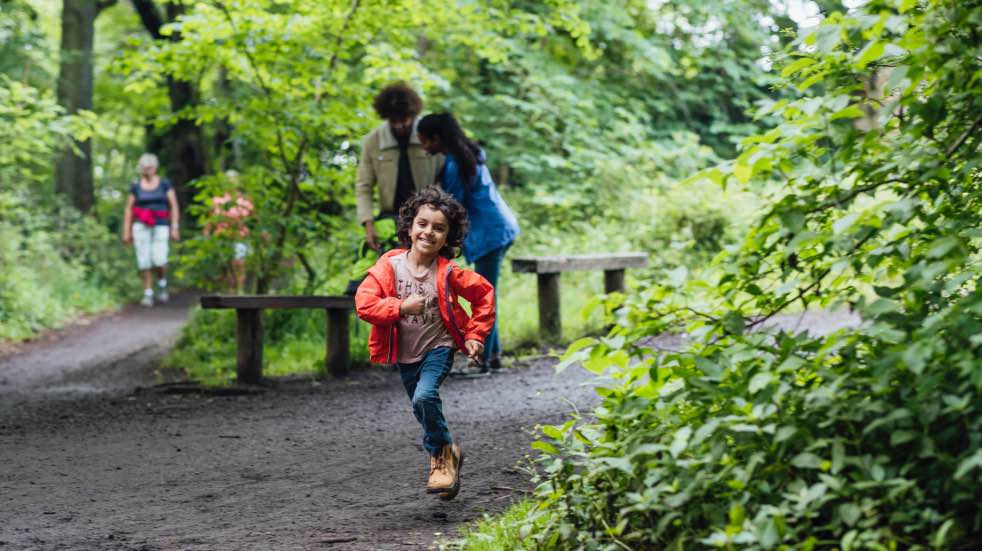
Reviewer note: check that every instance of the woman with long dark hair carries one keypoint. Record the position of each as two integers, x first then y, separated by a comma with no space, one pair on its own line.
493,227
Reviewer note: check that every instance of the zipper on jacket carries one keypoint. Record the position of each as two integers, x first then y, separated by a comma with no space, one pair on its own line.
453,320
392,336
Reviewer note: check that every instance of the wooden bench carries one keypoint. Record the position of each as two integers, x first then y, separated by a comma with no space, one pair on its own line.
249,332
548,268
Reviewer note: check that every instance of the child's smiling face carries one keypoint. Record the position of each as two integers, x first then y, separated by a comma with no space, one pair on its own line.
429,232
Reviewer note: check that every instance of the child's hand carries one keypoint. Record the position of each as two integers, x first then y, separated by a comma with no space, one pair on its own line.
474,349
414,304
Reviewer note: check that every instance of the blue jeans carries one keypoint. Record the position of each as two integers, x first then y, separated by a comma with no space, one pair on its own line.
422,380
489,266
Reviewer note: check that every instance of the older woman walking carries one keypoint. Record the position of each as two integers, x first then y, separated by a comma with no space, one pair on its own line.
150,220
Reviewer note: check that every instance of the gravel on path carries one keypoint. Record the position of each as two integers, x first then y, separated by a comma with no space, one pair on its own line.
87,462
303,465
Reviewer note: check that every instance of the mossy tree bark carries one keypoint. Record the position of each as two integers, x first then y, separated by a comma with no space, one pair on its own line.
73,170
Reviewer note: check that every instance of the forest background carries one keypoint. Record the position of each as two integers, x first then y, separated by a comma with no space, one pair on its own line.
590,113
768,163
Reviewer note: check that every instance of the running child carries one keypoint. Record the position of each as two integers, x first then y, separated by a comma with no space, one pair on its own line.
410,298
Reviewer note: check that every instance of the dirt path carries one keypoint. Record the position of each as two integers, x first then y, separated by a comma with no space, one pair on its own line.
87,463
302,465
111,353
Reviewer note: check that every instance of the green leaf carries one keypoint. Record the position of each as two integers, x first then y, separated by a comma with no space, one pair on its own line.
545,447
742,172
769,536
844,223
793,220
851,112
552,432
812,80
838,456
680,441
591,305
897,76
620,463
784,433
940,247
597,365
577,352
973,461
869,54
806,460
940,537
828,37
796,66
899,437
850,513
759,381
883,306
916,356
737,515
734,323
848,540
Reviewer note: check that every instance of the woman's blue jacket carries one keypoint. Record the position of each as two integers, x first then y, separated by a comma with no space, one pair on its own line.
492,223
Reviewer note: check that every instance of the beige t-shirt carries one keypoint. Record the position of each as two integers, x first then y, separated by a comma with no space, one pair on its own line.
418,333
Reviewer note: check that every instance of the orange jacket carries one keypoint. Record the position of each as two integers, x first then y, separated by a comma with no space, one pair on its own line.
376,302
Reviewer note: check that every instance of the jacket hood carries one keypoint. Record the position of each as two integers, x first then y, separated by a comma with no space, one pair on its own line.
384,269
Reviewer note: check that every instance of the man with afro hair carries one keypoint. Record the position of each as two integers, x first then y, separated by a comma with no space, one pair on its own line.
392,159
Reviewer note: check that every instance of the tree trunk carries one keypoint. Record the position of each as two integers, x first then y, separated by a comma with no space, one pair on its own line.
182,148
73,171
226,150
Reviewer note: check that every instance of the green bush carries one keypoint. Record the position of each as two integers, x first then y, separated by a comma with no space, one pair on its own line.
865,438
57,266
776,439
57,263
510,531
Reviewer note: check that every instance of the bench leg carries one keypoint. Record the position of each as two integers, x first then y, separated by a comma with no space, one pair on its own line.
249,342
613,281
338,356
550,322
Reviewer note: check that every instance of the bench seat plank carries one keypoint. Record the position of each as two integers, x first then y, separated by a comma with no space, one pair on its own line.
548,269
276,301
568,263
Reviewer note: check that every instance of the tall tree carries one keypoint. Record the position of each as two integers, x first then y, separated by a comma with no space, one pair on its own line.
73,172
304,73
182,146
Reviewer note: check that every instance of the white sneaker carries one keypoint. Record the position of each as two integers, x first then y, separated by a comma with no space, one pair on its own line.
162,296
147,301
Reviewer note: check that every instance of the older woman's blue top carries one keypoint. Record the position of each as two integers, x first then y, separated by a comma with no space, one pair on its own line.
492,223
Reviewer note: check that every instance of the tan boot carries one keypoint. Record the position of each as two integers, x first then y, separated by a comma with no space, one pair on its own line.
442,472
457,457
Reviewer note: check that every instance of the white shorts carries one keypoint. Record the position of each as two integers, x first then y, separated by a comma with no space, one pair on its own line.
150,244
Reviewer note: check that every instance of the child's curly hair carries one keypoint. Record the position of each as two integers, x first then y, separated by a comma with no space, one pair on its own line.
443,202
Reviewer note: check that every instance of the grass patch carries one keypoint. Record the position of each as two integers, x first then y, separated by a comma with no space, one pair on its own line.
507,532
293,344
48,280
518,307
